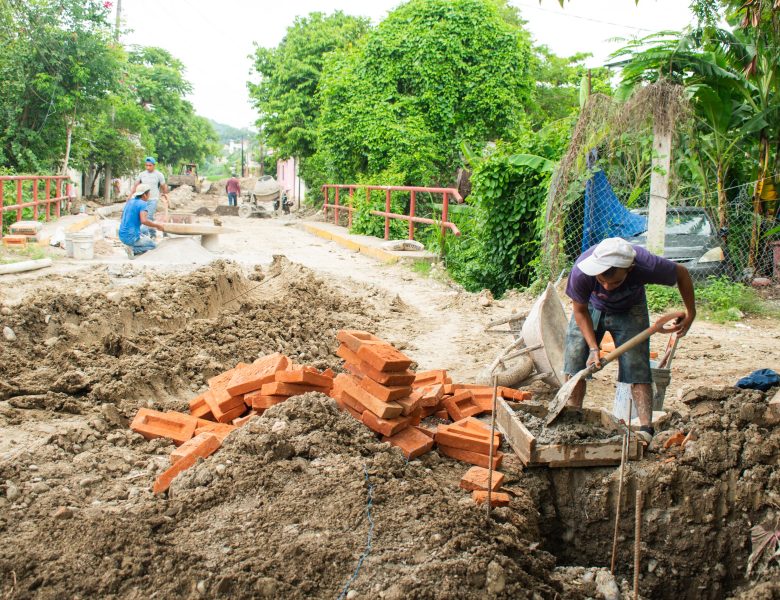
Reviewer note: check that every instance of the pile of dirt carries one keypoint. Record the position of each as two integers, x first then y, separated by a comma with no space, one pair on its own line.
162,339
700,503
282,510
180,196
218,187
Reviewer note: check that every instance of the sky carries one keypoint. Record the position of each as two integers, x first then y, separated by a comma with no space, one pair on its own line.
215,40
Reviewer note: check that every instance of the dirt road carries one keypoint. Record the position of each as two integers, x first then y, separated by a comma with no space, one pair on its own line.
281,510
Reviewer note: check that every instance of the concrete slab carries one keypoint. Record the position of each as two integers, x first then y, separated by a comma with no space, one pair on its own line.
365,244
70,223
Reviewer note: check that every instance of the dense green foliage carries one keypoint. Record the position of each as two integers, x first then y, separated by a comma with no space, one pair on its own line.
74,97
433,74
290,74
720,299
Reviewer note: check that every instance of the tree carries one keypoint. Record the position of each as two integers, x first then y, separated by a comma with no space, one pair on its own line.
157,80
286,95
57,62
433,74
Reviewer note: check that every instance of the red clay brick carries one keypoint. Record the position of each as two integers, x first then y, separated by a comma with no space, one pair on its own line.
464,440
250,378
201,445
221,430
348,355
496,498
427,411
476,478
223,379
675,439
242,420
449,389
199,408
430,431
416,417
304,376
402,378
474,458
263,401
353,338
385,393
384,358
429,378
172,425
411,441
474,426
328,373
431,395
387,427
485,405
516,395
279,388
164,480
461,405
409,405
442,414
221,403
350,402
385,410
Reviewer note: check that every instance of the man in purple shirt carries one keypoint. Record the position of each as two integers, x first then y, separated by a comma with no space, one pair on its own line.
607,289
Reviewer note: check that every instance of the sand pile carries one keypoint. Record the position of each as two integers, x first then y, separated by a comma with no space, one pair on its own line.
180,196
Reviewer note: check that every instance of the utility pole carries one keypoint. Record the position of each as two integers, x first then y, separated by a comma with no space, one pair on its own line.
107,177
242,157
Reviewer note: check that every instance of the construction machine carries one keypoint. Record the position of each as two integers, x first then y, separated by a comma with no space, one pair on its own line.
188,175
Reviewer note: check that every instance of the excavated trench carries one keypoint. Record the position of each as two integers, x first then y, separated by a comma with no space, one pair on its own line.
280,511
699,504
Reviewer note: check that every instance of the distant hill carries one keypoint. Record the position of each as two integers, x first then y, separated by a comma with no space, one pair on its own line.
227,132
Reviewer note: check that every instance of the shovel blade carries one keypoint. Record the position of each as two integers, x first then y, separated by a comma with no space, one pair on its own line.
563,396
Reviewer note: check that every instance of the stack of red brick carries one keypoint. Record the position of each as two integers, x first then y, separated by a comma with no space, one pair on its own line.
232,398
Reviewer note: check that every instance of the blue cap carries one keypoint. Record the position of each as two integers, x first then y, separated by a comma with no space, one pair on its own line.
150,159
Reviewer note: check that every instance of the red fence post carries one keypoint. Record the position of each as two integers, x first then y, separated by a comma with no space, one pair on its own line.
35,198
48,198
19,199
336,210
387,210
412,207
351,206
445,213
58,195
2,205
326,191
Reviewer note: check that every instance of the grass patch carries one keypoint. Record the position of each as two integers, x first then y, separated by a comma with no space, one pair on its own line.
720,300
421,267
29,252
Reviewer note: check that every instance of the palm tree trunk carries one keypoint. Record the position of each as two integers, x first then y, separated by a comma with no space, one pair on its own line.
722,200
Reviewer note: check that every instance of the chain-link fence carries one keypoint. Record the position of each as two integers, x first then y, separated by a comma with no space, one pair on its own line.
711,234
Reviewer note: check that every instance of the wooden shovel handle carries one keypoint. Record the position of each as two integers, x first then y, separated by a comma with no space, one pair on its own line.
658,327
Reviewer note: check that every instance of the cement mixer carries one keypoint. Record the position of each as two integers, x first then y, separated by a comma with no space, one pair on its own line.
536,353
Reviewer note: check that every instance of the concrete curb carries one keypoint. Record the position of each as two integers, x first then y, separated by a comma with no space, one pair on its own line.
352,242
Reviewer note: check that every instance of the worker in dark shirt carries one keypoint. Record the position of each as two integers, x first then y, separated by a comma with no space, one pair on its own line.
607,289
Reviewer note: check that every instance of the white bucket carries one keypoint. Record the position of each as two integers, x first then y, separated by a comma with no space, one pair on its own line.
69,245
661,380
83,246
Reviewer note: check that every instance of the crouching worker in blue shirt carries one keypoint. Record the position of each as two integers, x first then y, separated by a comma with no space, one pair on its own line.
134,215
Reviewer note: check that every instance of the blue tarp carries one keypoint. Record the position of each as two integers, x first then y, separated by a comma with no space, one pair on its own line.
605,216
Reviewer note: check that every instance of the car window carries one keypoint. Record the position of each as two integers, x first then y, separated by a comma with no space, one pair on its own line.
678,223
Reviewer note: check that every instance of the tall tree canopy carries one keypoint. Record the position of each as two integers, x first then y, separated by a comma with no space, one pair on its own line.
285,95
433,74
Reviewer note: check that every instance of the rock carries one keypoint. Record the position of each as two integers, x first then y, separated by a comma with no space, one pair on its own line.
201,587
115,296
607,586
352,594
62,513
112,415
9,334
39,488
52,341
485,298
5,311
71,382
33,467
496,578
220,469
761,282
11,491
652,565
46,319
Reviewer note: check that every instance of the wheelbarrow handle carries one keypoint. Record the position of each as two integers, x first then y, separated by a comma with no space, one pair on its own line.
660,326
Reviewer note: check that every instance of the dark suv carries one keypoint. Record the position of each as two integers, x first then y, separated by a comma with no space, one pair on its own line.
693,241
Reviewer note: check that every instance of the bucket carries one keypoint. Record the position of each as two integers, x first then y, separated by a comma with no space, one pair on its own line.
661,380
83,246
69,245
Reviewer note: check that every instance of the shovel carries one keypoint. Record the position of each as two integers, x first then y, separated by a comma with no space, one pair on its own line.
564,394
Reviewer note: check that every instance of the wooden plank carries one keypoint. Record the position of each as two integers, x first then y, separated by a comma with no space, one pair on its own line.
520,439
573,455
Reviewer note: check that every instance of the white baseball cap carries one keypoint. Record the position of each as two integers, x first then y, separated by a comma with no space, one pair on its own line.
612,252
142,189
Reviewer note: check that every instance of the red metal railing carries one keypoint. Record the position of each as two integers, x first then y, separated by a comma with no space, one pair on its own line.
446,195
52,194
